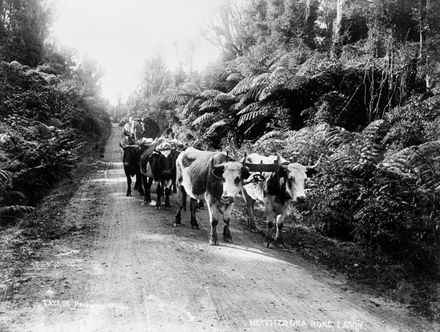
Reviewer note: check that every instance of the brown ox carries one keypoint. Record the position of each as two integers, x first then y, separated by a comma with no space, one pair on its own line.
209,176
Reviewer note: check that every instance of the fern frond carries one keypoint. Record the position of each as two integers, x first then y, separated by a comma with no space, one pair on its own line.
234,77
426,162
210,93
13,210
295,82
398,162
5,175
371,153
203,118
344,160
274,134
248,83
288,133
225,98
185,92
215,125
336,136
250,108
209,105
257,113
376,131
192,106
253,93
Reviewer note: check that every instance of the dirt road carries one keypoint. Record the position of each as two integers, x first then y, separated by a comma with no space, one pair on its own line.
135,272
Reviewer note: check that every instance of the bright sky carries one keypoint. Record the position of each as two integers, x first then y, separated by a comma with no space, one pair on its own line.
121,34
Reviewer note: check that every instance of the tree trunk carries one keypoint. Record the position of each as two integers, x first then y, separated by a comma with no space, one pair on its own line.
337,37
423,54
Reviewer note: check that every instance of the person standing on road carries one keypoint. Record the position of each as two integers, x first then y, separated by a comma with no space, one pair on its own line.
138,129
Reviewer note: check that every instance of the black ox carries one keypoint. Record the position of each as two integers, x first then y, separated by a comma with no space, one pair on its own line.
130,160
158,165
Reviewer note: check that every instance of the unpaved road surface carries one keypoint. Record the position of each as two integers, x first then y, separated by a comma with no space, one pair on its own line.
135,272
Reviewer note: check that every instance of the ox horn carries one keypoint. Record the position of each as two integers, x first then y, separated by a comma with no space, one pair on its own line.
316,164
244,158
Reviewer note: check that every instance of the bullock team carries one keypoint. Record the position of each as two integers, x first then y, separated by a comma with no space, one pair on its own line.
216,179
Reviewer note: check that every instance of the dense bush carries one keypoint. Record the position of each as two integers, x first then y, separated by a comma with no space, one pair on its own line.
46,121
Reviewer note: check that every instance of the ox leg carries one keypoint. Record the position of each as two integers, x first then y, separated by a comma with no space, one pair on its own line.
167,186
138,184
268,237
268,206
270,224
167,197
128,184
227,237
192,207
213,218
250,205
174,186
159,192
279,230
147,185
181,199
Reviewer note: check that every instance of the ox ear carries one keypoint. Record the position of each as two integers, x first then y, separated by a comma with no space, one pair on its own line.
310,172
218,170
245,172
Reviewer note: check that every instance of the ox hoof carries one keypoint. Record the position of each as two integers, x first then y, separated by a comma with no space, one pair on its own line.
268,240
177,224
213,242
128,194
195,226
279,242
227,239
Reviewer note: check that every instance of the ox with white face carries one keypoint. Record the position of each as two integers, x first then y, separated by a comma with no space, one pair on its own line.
230,174
296,176
209,176
275,189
